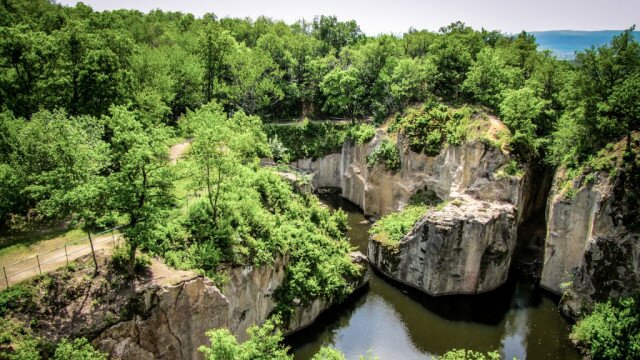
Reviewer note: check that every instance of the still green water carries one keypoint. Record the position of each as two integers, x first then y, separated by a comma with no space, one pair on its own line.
394,322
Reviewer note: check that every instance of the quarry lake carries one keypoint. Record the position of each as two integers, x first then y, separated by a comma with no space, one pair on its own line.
392,321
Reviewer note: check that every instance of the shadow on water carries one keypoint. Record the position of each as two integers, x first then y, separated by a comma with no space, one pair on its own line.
488,308
395,321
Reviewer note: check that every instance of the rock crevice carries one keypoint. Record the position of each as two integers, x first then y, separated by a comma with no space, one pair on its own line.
464,248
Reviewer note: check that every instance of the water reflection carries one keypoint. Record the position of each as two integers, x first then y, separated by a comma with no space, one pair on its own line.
398,322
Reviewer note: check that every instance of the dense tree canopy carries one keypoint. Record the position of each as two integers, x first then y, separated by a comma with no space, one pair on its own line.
90,103
74,65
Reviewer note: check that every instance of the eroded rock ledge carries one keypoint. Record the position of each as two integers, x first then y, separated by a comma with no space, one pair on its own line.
176,316
465,248
592,252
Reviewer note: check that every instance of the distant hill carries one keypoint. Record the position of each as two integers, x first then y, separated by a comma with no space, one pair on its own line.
564,43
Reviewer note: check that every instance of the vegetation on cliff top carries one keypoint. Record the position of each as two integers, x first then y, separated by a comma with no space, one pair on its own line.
91,100
390,229
76,74
47,317
387,154
611,331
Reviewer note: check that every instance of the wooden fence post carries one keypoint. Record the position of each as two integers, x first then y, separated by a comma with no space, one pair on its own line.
6,278
38,259
66,254
93,251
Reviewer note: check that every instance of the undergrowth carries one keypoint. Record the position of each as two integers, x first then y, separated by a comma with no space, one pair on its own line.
390,229
387,154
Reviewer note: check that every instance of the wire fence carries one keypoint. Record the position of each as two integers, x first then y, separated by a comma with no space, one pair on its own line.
54,259
58,257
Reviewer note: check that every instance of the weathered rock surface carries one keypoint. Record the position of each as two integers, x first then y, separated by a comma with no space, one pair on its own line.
177,316
462,249
470,167
250,292
591,251
465,248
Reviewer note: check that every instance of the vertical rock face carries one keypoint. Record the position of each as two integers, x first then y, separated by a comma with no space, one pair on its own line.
250,291
326,170
462,249
174,318
591,253
178,317
467,168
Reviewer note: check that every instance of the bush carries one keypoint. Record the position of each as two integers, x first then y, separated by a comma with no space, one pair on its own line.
461,354
425,197
279,152
390,229
309,139
264,343
18,343
512,168
426,129
16,297
361,133
387,153
120,260
611,331
327,353
78,349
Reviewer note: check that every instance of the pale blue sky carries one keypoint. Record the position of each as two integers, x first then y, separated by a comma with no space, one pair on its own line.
397,16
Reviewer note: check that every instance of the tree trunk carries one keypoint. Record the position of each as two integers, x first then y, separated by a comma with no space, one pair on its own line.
131,262
215,202
629,153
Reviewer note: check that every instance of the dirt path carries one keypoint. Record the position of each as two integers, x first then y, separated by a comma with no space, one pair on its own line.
55,256
178,150
297,122
47,255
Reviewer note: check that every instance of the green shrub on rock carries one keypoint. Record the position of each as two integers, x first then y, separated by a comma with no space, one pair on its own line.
387,153
78,349
461,354
611,331
390,229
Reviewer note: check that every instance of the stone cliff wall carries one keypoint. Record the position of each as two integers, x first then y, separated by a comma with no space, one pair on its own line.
470,167
590,254
250,291
464,248
176,317
587,246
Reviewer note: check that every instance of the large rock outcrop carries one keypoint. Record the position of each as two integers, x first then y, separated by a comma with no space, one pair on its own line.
173,319
465,248
470,167
592,248
178,317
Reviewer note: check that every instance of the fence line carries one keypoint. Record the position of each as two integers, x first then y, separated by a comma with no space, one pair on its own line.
22,270
52,259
